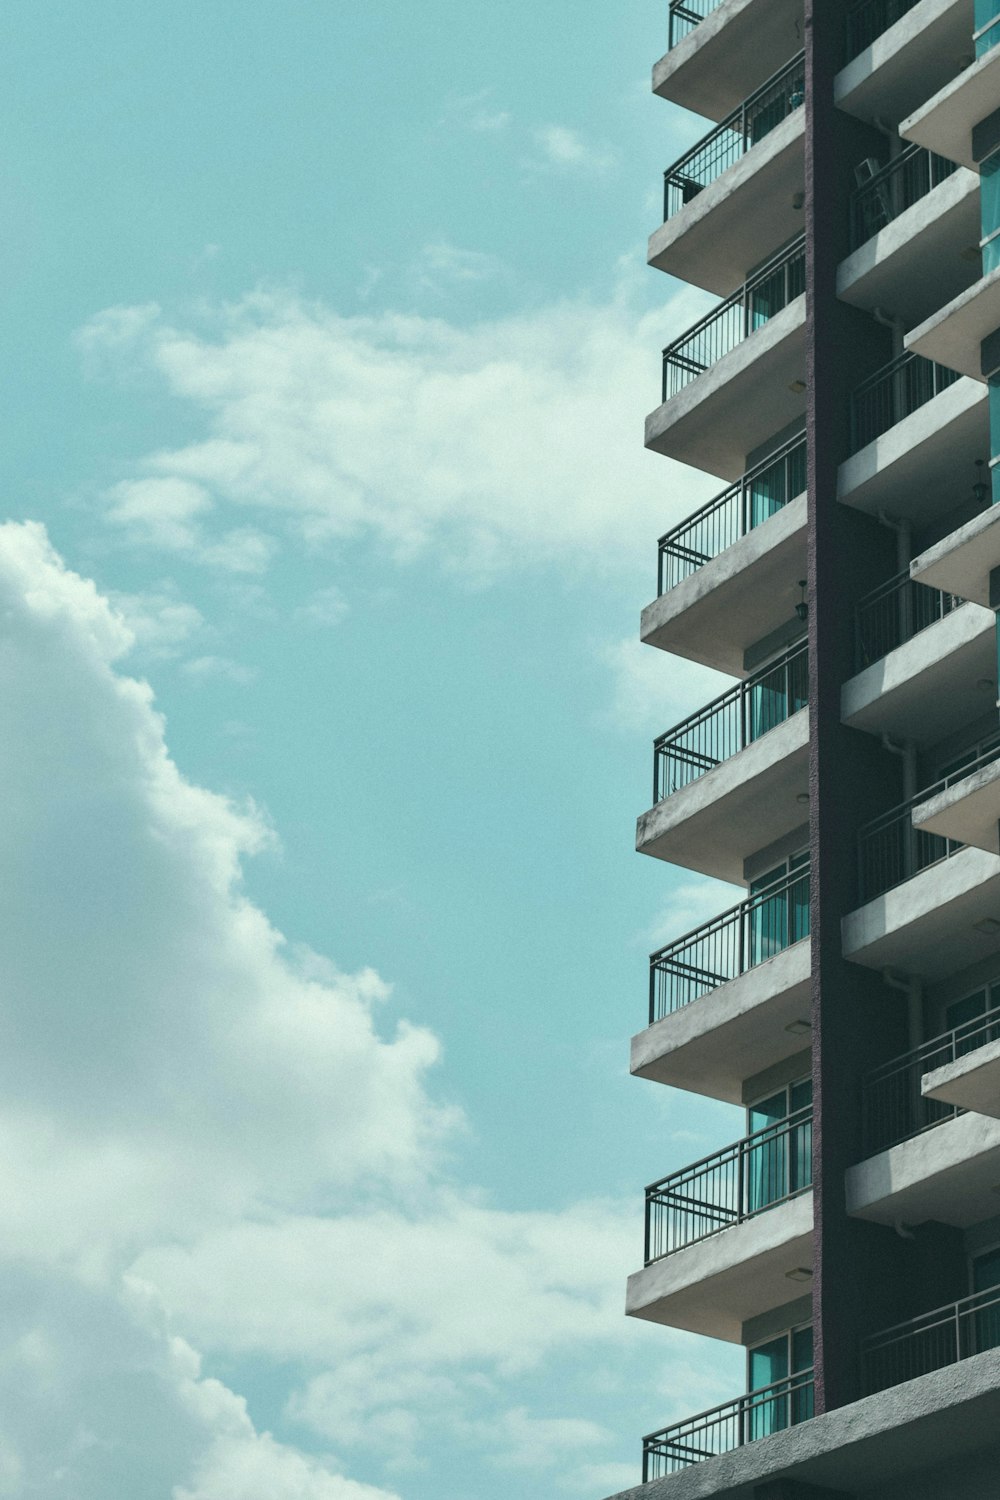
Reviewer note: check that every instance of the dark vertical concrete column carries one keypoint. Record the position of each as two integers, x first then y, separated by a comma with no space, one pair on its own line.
858,1268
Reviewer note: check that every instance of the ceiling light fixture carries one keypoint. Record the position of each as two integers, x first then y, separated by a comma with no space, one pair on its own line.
799,1028
799,1273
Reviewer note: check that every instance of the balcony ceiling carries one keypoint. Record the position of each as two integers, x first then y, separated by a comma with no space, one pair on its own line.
908,63
948,1174
953,334
962,561
970,1082
945,123
729,55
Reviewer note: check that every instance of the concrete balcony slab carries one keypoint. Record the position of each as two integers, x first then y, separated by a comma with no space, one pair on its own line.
949,1173
929,254
914,58
755,390
945,122
741,218
715,1286
961,562
967,812
728,55
743,804
970,1082
953,334
934,924
912,470
712,1045
741,596
931,683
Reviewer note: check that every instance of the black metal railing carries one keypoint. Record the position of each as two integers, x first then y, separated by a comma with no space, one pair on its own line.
755,118
895,188
892,1106
762,491
724,1428
891,850
685,15
895,612
892,393
869,18
932,1341
770,289
729,945
731,1185
731,722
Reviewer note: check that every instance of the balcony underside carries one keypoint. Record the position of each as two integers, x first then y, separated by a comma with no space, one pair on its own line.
945,123
924,1439
970,1082
953,334
718,1284
927,925
747,802
944,677
918,470
741,218
712,1045
948,1174
908,63
734,407
962,561
967,812
734,50
926,256
735,600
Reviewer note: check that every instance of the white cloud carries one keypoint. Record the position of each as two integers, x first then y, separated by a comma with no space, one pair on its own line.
498,445
441,266
652,690
205,668
324,608
160,622
565,149
477,112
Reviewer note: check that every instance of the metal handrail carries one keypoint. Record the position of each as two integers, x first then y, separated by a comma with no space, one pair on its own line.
731,722
906,179
685,15
763,490
891,850
726,142
932,1341
729,1186
892,1106
766,293
730,944
868,19
721,1429
895,612
894,392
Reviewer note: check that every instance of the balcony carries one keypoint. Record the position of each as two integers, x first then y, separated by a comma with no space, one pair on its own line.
894,613
964,807
737,374
932,1341
965,558
955,332
947,1174
963,1071
732,1185
914,236
737,195
919,430
727,574
900,53
940,677
718,790
721,50
945,122
728,1427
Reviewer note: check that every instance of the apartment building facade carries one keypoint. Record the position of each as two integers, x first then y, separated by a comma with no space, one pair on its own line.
845,206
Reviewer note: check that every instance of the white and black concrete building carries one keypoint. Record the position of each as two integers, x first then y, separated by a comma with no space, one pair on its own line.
845,206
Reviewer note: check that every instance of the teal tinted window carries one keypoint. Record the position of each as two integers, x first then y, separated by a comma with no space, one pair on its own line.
989,205
987,25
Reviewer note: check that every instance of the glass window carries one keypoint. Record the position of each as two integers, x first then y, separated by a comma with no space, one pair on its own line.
770,1365
987,25
985,1278
779,1162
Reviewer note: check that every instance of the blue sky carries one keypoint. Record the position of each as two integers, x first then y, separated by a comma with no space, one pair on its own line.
328,342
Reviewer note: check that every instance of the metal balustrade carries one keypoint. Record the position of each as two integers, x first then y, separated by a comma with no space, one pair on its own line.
730,1186
685,15
731,722
932,1341
729,945
727,1427
892,393
869,18
891,850
895,612
763,490
770,289
726,142
892,1106
909,177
